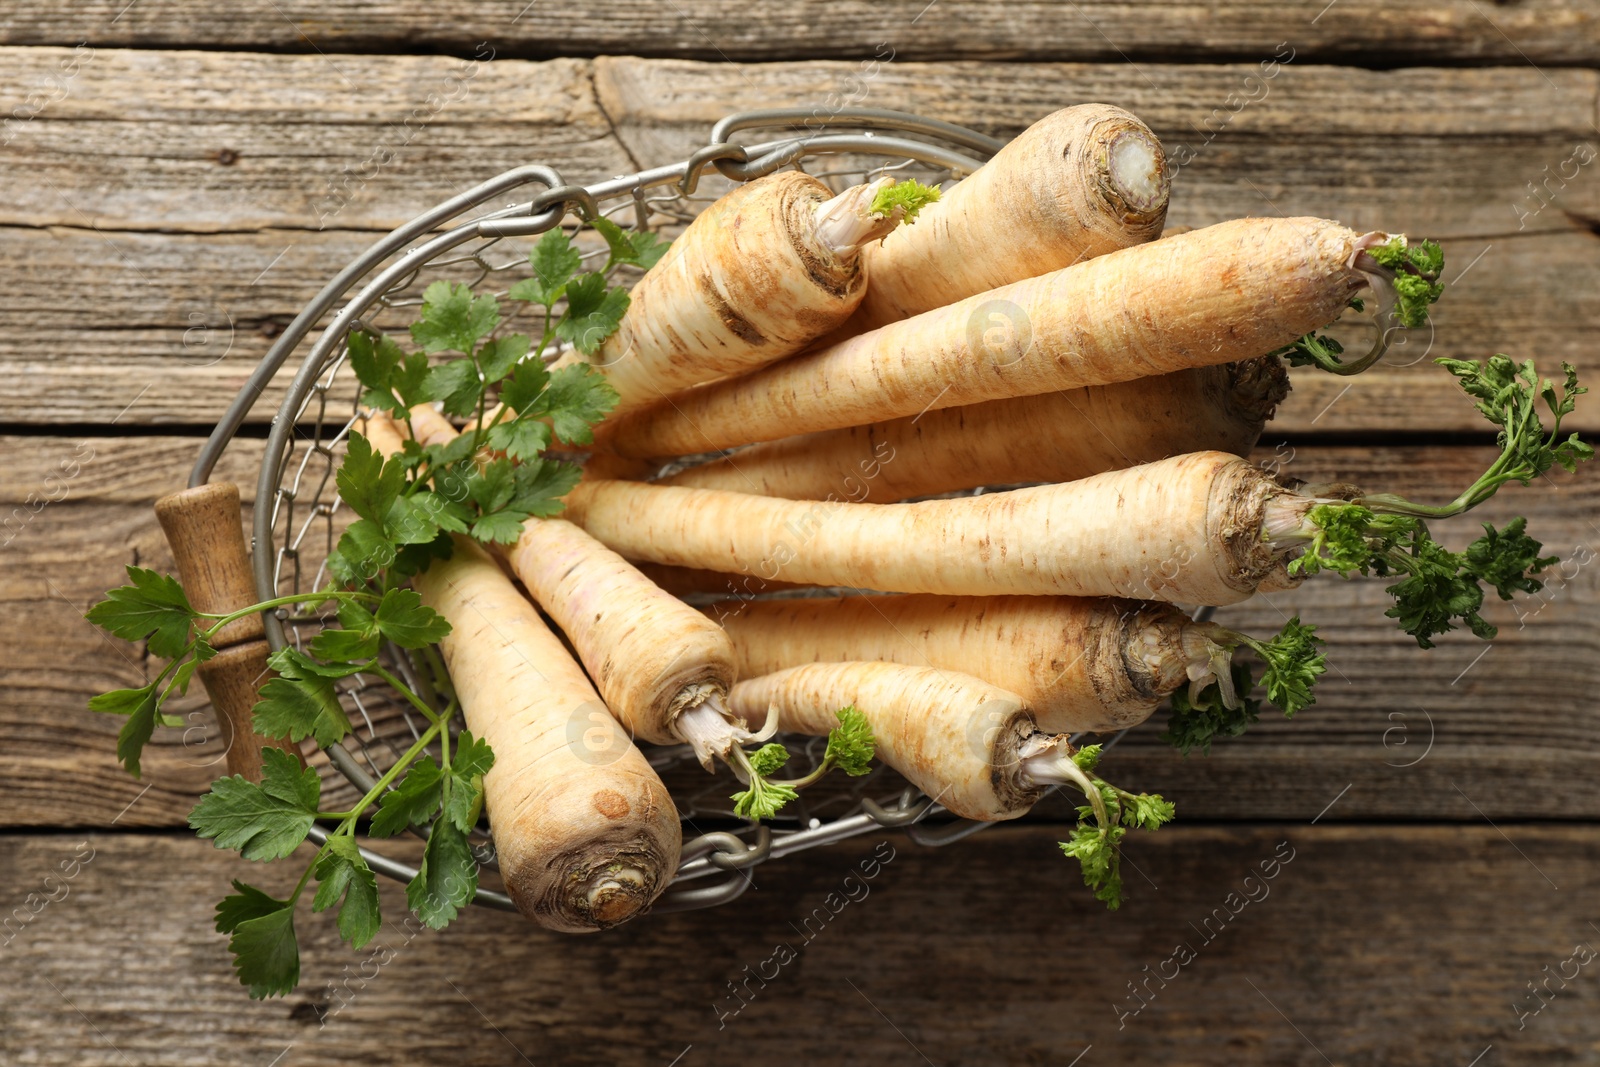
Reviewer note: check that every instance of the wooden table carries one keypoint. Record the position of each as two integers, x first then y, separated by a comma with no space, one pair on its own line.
181,176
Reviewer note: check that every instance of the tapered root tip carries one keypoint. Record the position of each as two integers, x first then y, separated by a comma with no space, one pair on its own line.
1136,171
616,895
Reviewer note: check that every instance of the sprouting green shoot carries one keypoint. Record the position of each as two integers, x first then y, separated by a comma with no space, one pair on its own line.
1416,276
1416,269
1314,350
908,197
850,749
1384,534
1095,842
1294,661
763,798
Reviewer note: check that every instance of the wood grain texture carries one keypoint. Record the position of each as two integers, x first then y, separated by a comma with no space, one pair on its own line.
1354,31
1424,150
238,141
164,326
1499,716
1369,945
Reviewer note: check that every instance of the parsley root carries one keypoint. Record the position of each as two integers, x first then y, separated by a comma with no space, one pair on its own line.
1078,183
586,834
1215,295
1052,437
756,277
973,747
1080,664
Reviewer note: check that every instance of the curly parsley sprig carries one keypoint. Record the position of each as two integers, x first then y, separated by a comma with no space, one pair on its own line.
1387,535
1412,271
1096,842
850,749
1224,706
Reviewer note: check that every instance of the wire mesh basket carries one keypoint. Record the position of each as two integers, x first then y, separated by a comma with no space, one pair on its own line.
298,516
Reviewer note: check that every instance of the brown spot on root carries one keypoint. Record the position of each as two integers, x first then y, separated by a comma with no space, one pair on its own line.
736,323
611,804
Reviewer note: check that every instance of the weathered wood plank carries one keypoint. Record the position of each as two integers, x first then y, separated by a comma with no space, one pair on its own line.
1440,152
1368,945
205,141
172,323
165,329
309,139
1498,716
1355,31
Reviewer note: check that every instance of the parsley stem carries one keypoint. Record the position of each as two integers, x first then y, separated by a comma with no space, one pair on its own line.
404,690
383,783
800,783
280,602
304,878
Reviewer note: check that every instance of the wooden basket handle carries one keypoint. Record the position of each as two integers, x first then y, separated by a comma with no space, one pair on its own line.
205,531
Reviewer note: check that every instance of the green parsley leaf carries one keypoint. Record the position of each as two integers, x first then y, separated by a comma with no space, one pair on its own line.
1097,851
457,384
521,438
186,669
1507,559
541,484
262,822
1416,270
471,761
554,262
453,319
1435,590
638,247
500,527
266,955
908,197
1088,757
153,609
345,645
410,381
593,313
851,745
497,358
1294,663
648,248
342,872
375,360
140,706
1147,811
576,398
367,484
763,799
411,802
522,390
493,487
768,759
405,620
447,879
413,559
363,552
1196,725
299,704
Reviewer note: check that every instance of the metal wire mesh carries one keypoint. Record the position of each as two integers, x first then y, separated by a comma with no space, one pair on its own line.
299,517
